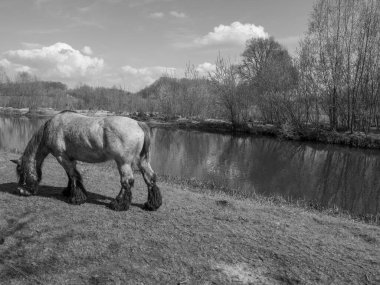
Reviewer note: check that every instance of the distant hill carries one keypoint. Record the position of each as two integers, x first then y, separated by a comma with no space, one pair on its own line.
165,85
156,88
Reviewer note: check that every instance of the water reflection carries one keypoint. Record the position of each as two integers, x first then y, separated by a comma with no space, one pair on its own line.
329,175
16,132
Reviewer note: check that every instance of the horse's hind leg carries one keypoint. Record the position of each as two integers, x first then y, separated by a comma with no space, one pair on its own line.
75,190
123,200
154,195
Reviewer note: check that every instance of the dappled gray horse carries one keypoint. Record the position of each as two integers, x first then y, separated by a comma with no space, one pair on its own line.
70,137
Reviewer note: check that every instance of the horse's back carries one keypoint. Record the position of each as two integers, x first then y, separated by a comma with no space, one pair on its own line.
95,139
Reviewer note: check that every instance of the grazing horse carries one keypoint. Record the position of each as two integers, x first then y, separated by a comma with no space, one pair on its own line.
70,137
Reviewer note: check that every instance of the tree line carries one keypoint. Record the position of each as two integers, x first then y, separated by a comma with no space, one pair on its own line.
333,79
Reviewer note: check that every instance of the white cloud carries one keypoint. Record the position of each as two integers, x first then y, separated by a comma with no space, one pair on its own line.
87,50
56,62
205,68
14,67
86,9
24,68
31,45
137,78
234,34
156,15
160,15
136,3
41,2
178,14
5,63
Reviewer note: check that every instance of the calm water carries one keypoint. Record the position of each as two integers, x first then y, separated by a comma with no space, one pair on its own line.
329,175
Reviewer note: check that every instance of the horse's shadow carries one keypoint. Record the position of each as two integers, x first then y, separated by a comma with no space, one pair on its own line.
56,193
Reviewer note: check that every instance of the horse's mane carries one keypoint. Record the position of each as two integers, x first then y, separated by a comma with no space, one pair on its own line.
31,156
35,141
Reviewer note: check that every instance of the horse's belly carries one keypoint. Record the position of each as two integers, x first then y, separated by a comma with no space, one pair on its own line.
90,155
86,148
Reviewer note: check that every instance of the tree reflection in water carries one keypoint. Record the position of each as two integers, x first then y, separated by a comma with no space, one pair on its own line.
325,174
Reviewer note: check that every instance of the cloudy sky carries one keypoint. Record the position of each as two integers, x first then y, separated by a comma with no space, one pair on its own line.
130,43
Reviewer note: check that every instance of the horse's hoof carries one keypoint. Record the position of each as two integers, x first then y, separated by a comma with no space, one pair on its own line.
77,196
149,207
76,200
23,192
119,205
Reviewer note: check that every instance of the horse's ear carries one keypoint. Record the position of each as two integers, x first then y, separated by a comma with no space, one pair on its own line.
17,161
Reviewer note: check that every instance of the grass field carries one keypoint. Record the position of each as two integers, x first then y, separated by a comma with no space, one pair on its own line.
194,238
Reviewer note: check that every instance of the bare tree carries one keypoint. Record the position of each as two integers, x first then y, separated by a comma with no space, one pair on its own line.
230,91
340,60
267,66
269,73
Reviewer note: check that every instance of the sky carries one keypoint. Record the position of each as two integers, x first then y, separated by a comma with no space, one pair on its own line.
131,43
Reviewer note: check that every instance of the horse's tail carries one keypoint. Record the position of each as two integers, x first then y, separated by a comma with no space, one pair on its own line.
146,146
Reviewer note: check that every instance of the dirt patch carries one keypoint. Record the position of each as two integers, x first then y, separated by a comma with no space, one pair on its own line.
224,203
242,273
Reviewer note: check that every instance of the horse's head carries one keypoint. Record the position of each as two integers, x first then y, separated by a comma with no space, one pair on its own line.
27,181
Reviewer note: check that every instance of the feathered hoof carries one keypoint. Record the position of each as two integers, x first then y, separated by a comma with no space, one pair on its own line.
78,198
150,207
119,205
154,199
23,192
76,201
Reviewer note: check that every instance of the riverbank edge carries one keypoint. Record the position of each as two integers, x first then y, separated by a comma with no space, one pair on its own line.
198,186
307,134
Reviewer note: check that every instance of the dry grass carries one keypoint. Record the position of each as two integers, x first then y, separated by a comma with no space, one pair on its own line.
194,238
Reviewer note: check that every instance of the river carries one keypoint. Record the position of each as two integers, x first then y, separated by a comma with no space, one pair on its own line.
325,175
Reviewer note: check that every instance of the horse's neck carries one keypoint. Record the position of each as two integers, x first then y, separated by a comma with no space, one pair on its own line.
35,152
34,158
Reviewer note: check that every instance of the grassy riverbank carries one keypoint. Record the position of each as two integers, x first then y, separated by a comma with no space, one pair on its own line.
196,237
369,140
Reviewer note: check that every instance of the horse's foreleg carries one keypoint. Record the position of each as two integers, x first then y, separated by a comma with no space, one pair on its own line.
154,194
79,183
123,200
67,191
79,180
75,190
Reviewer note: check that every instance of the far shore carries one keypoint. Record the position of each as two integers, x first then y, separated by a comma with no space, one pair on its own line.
320,135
